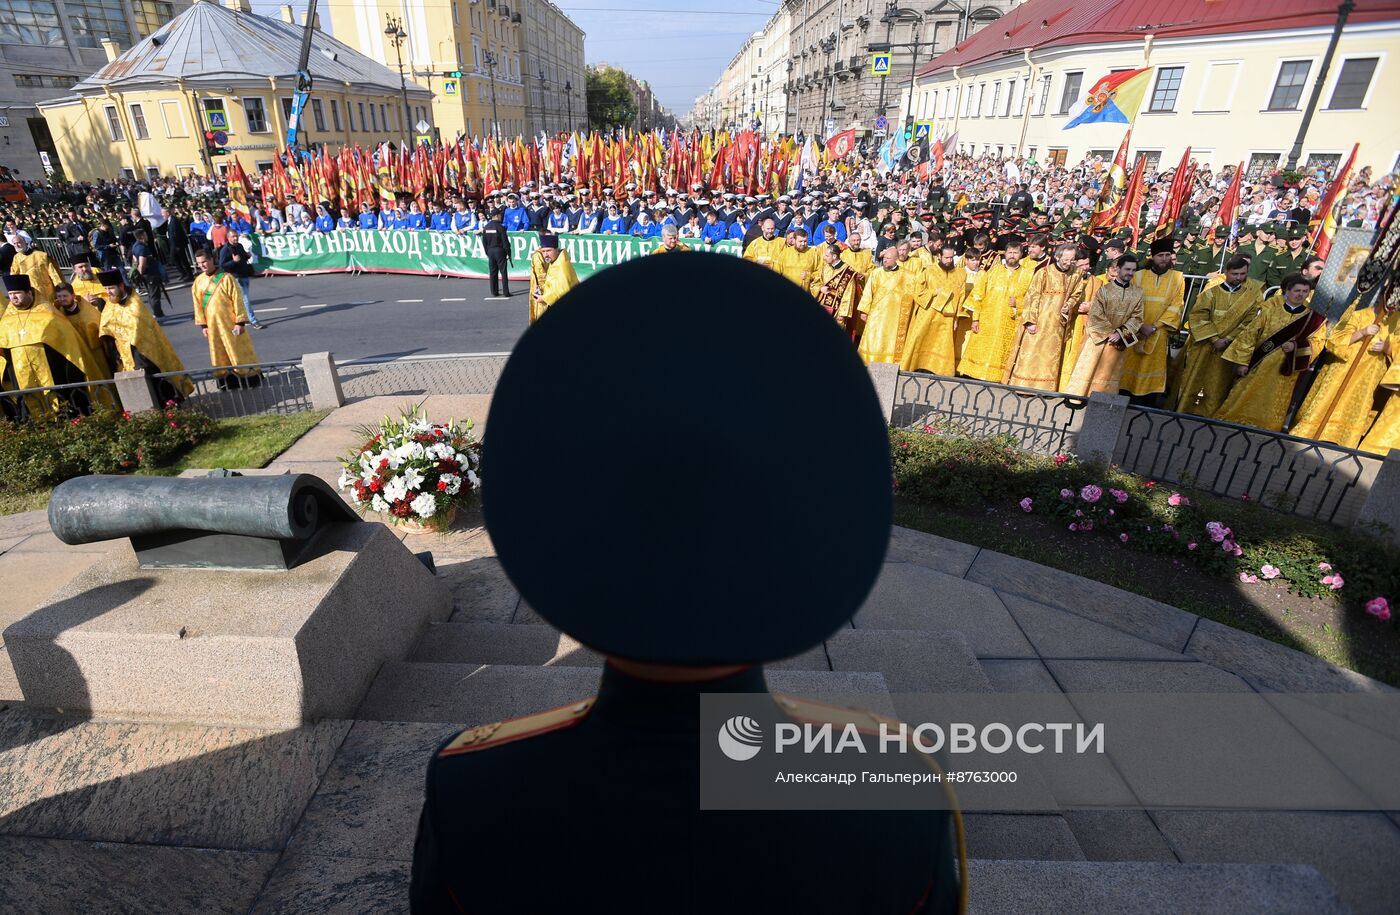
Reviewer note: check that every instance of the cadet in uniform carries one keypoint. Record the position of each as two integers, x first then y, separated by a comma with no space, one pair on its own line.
595,806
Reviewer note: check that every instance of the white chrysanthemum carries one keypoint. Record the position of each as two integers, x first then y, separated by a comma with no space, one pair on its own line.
473,479
424,505
452,482
346,481
395,490
378,504
413,478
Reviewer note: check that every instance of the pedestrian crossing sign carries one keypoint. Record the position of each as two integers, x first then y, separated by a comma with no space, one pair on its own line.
921,129
880,64
449,87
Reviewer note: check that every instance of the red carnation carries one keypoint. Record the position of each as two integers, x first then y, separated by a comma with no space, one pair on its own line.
442,487
374,486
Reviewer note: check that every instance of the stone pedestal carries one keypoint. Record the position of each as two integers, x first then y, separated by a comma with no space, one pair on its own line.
262,649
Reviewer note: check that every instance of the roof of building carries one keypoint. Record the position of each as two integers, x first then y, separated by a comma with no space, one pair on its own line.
1054,23
210,43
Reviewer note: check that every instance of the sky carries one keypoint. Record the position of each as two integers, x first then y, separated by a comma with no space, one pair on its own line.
680,47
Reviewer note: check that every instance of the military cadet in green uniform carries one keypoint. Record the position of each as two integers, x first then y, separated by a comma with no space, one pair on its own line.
1261,251
1291,258
595,806
1211,257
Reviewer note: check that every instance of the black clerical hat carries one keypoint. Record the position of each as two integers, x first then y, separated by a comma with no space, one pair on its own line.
17,282
665,486
111,278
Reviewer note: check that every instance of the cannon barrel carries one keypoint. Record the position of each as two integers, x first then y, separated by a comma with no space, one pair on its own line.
285,507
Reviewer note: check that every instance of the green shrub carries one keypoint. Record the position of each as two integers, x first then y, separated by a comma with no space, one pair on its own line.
38,456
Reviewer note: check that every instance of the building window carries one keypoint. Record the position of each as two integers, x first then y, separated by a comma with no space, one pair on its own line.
373,119
173,114
335,115
318,113
31,22
1288,88
1070,95
152,173
1011,87
384,118
1150,159
255,114
94,20
25,81
128,172
996,98
114,124
1057,157
1353,82
287,111
138,122
476,54
1165,92
1261,164
151,15
364,125
1328,162
1044,103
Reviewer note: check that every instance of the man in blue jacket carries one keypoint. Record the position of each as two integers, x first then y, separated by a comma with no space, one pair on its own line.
515,219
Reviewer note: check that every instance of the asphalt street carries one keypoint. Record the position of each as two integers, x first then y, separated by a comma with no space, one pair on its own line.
370,316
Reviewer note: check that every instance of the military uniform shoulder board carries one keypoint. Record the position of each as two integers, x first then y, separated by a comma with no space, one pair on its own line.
809,712
503,732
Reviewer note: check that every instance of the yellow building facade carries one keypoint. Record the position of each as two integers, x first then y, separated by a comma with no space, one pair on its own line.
147,111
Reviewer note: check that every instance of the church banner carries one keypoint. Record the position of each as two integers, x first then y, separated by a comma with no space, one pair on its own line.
441,253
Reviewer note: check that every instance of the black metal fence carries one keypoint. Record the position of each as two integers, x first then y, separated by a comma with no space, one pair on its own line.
276,387
1294,475
1041,421
61,401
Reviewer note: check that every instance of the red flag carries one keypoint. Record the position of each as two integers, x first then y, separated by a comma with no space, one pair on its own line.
840,145
1131,215
1225,215
1324,221
239,190
1176,197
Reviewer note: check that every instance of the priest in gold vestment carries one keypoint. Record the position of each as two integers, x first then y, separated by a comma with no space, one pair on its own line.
767,248
87,321
837,286
1110,326
863,263
134,342
930,345
1360,349
1079,319
222,314
1164,297
885,307
801,263
1385,433
40,349
998,294
36,264
1217,315
1270,354
1055,290
552,272
84,281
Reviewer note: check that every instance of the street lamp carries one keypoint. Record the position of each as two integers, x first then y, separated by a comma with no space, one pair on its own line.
396,34
543,107
569,101
490,59
892,15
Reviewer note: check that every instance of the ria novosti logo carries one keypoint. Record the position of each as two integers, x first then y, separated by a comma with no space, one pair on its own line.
740,738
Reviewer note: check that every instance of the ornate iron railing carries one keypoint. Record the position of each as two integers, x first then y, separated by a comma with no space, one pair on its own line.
1045,422
474,374
278,387
1294,475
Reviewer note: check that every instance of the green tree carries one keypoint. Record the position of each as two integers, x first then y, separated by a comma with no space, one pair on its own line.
610,99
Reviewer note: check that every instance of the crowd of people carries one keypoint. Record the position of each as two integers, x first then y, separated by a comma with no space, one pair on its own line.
986,268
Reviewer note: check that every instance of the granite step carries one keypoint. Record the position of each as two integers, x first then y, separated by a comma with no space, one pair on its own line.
1148,888
472,694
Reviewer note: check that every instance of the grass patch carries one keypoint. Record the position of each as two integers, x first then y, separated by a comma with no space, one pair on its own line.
246,442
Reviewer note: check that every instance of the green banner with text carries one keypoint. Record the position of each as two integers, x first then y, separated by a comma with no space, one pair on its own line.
442,253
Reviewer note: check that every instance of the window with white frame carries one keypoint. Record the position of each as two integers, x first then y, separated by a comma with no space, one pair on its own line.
114,124
1353,83
1288,85
1166,89
1150,159
255,114
1329,162
1043,103
173,114
1070,93
335,115
138,122
318,113
996,98
1260,164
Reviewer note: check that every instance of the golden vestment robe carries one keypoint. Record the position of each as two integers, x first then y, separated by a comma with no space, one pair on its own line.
997,297
39,349
1340,406
87,321
802,267
85,289
1163,297
930,345
863,263
841,283
219,306
1074,332
887,301
139,343
1262,397
42,273
1217,312
1036,357
765,251
552,279
1115,308
1385,434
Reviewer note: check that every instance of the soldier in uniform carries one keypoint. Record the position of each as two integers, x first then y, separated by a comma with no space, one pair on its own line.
596,806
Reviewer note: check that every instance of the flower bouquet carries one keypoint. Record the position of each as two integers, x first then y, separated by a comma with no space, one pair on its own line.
414,472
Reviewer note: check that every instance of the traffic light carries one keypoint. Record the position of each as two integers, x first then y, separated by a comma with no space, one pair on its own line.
216,142
908,132
454,74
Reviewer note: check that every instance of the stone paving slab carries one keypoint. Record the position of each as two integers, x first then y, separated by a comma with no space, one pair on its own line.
1118,835
930,550
335,886
910,661
1271,666
1136,615
1057,633
22,524
1363,741
9,683
1015,676
46,542
31,577
41,876
438,407
368,803
212,787
481,590
8,543
908,596
1020,837
1147,888
1356,852
472,694
502,643
814,658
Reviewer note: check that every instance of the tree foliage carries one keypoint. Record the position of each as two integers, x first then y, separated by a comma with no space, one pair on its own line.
611,102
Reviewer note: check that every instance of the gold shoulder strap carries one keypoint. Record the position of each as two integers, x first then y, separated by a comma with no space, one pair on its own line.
503,732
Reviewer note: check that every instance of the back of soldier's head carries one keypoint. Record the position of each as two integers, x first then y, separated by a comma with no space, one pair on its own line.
668,486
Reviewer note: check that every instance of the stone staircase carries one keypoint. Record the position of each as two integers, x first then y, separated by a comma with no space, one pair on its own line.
321,819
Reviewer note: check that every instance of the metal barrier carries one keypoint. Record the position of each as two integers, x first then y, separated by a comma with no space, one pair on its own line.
1041,421
473,374
278,387
1293,475
51,402
57,252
